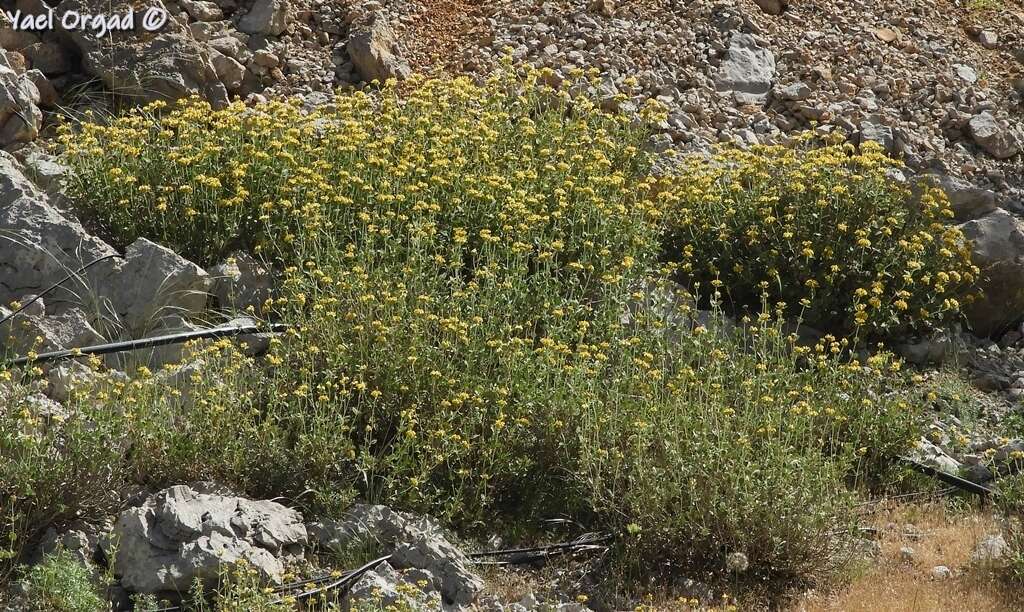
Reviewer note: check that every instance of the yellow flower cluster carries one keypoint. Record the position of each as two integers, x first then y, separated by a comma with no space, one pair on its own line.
825,230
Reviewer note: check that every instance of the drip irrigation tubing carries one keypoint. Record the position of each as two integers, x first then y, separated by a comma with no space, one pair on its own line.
588,542
225,331
950,479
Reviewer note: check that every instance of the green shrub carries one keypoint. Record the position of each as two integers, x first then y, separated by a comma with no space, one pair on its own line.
825,231
1010,503
457,262
54,467
62,584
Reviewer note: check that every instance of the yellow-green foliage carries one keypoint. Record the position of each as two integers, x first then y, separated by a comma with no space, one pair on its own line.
456,261
824,231
61,583
1011,503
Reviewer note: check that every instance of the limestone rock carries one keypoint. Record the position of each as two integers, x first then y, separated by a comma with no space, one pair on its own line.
202,10
166,64
989,549
153,284
998,249
968,201
374,52
181,534
266,17
997,139
414,543
20,116
241,282
229,71
941,572
379,589
39,244
747,71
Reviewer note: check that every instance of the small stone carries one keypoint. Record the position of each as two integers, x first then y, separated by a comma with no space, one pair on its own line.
772,7
870,131
996,139
907,554
795,92
941,572
605,8
989,549
266,17
886,35
988,39
201,10
266,59
747,71
229,71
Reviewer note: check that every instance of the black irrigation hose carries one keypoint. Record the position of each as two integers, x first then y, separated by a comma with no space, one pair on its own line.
585,543
342,583
950,479
58,284
143,343
520,556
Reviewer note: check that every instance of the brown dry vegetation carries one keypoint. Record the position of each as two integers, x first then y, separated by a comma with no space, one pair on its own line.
948,538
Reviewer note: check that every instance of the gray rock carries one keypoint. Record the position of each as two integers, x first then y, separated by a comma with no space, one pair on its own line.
988,39
977,473
167,64
39,244
180,535
966,73
152,283
968,201
64,378
989,549
929,454
413,543
20,116
67,329
794,92
379,590
45,170
201,10
925,351
374,51
266,17
241,282
907,554
877,132
772,7
228,69
747,70
231,47
997,139
80,539
998,249
941,572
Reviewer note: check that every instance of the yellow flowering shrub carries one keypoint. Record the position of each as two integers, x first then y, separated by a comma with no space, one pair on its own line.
456,260
54,467
823,230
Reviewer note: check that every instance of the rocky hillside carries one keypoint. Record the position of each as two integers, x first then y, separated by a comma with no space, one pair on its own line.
938,86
